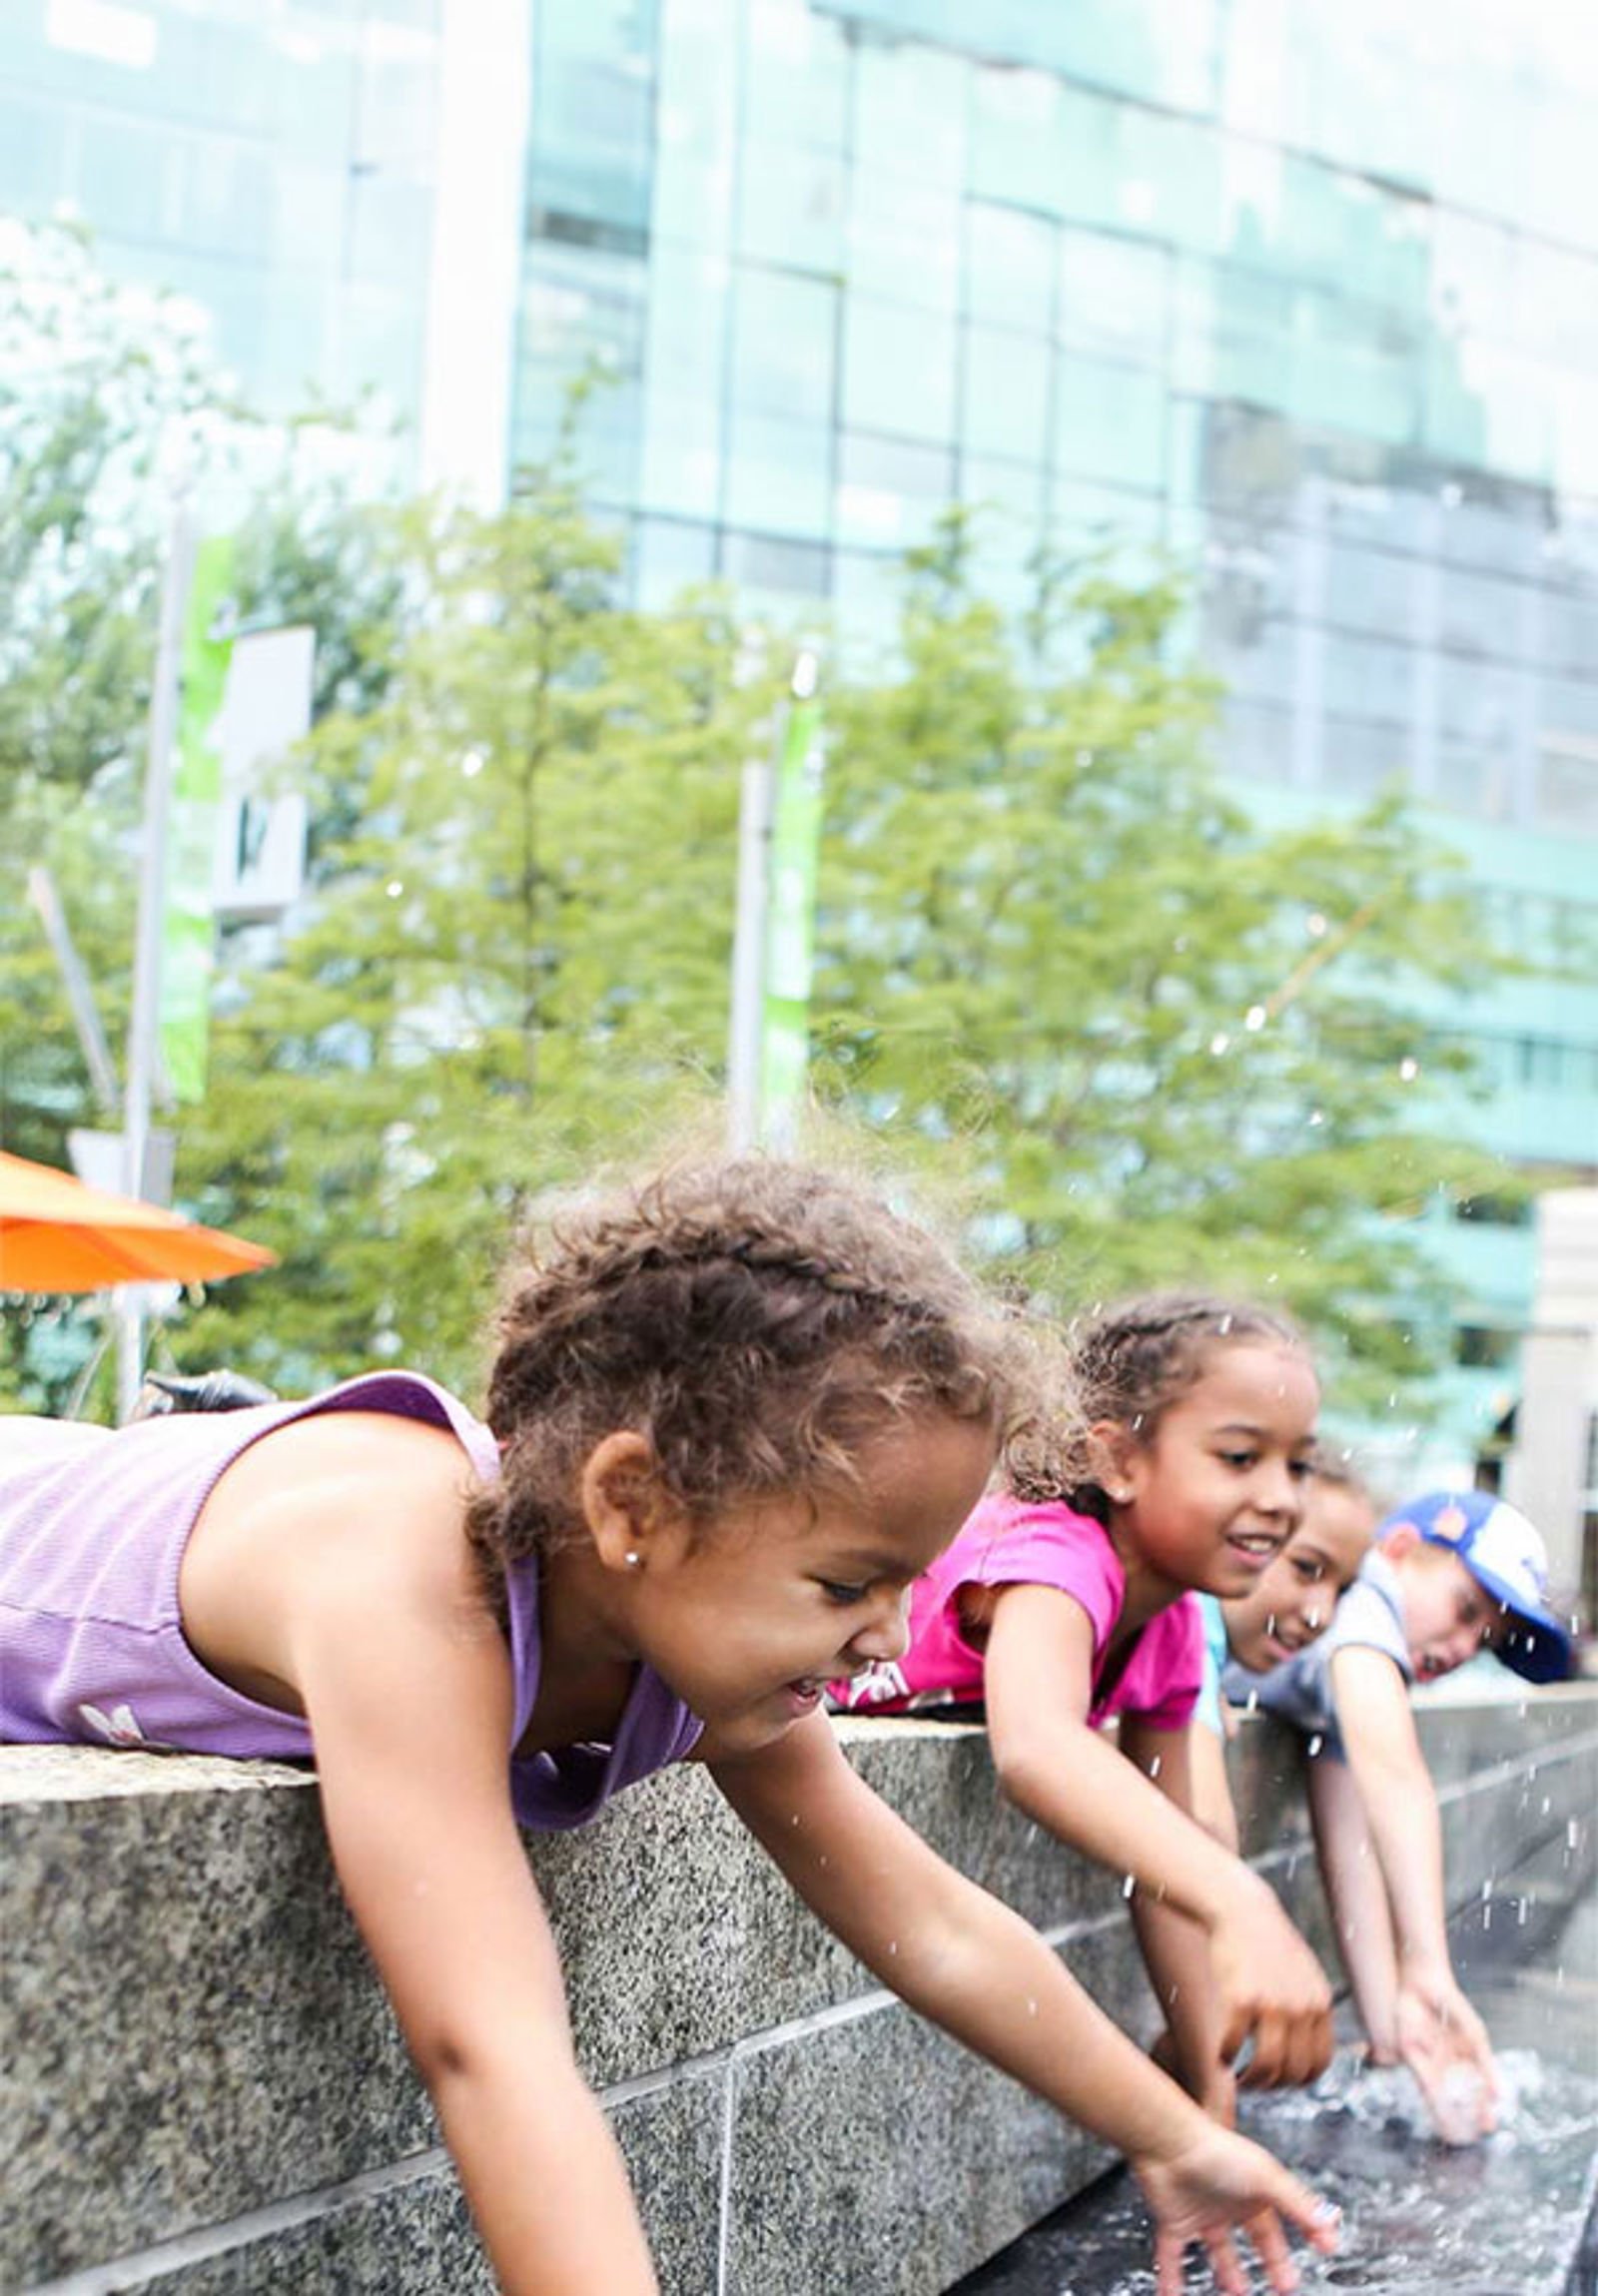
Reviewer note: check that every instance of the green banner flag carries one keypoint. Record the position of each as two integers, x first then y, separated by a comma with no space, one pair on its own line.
791,922
189,920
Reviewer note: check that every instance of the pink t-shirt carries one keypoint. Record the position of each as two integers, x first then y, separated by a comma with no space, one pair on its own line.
1010,1542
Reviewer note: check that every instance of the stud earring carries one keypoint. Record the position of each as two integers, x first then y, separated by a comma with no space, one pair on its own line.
632,1558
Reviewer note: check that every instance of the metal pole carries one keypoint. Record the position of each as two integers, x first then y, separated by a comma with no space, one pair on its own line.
750,955
143,1020
90,1037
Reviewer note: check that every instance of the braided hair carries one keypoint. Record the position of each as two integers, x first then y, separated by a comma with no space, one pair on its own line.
1132,1361
758,1321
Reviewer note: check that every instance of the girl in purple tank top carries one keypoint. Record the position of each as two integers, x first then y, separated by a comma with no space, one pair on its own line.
733,1416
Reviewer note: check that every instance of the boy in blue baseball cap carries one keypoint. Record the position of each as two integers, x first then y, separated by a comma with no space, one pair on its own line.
1451,1575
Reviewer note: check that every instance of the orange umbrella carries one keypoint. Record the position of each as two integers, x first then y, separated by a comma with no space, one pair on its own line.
56,1235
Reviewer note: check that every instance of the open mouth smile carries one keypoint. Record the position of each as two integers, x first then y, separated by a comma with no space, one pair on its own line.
1255,1548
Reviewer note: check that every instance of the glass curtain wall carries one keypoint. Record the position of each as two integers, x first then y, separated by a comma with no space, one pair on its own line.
1309,297
273,164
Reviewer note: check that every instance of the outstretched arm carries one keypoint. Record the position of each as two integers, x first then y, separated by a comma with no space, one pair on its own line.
1176,1950
406,1685
961,1957
1066,1775
1439,2034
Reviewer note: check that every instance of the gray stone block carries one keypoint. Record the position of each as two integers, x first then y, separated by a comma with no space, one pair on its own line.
196,2052
411,2231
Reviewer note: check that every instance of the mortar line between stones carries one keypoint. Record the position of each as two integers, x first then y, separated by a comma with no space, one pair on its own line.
729,2111
142,2265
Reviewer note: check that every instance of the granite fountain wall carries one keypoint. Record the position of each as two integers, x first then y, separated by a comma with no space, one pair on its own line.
203,2094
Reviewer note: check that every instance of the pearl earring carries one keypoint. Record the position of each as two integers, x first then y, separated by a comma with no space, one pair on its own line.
632,1558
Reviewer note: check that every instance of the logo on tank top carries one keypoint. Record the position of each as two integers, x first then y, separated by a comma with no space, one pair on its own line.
118,1728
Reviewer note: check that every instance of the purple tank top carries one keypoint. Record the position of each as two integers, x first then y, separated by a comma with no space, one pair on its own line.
93,1526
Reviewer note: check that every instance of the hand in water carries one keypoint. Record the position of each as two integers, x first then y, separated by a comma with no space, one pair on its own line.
1273,1989
1445,2046
1219,2183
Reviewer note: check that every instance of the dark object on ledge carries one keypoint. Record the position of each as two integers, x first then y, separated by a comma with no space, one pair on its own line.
166,1391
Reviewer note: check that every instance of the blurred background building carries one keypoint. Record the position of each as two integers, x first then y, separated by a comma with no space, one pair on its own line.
1307,295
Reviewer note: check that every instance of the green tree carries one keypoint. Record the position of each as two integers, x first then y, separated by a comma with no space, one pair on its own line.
516,953
100,382
1169,1043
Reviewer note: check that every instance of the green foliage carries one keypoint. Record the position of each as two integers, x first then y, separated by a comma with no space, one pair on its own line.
100,383
516,954
1160,1042
1170,1044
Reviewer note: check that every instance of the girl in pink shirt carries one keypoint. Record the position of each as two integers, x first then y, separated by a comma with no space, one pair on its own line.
1058,1612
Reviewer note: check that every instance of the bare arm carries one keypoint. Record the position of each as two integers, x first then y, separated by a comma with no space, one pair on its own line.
1176,1950
409,1694
1437,2029
1212,1805
1038,1685
961,1957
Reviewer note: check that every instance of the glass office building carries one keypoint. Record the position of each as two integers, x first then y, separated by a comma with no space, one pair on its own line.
1307,296
272,163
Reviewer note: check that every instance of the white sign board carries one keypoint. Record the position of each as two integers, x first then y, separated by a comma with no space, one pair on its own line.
261,836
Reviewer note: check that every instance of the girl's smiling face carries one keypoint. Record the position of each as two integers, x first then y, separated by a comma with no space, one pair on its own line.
748,1617
1296,1594
1210,1499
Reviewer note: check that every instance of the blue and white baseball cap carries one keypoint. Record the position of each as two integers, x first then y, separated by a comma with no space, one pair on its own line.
1505,1555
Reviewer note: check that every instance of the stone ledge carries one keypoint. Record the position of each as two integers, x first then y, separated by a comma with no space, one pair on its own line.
193,2035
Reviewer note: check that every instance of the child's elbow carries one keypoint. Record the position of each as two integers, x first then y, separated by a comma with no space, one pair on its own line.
1023,1769
457,2056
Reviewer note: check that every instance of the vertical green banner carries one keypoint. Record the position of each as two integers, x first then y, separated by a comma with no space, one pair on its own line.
189,921
791,922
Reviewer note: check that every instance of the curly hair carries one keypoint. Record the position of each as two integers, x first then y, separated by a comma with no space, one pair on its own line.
1132,1361
759,1321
